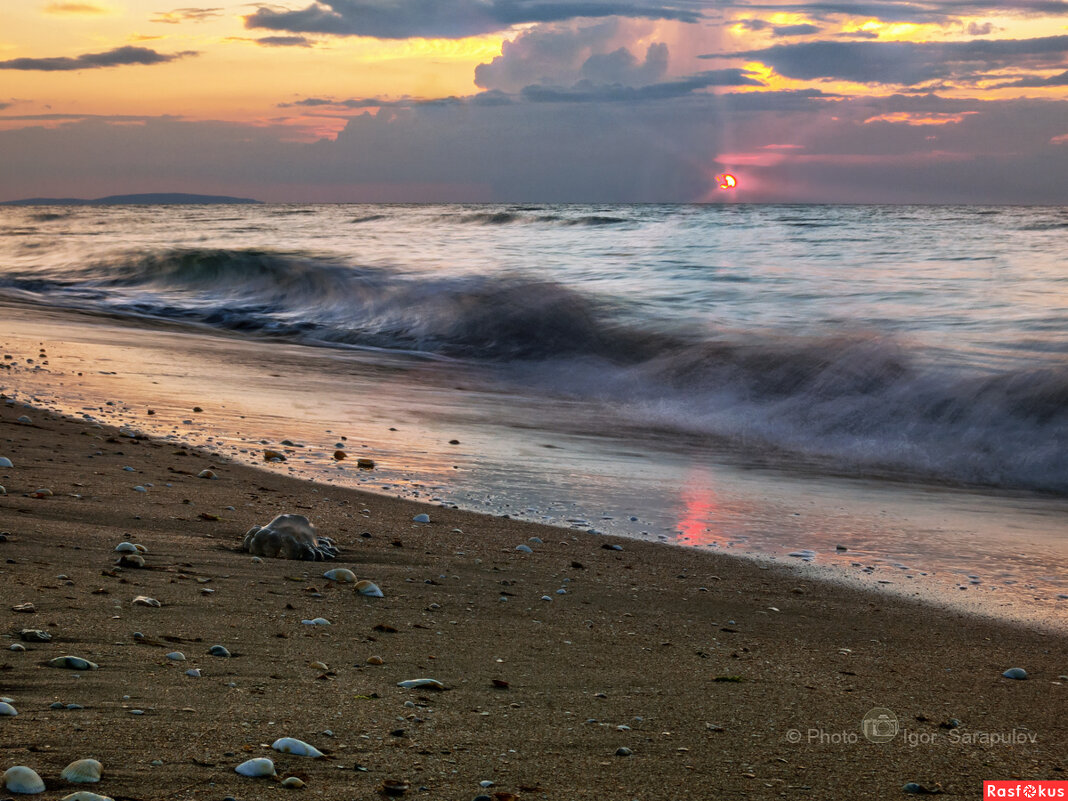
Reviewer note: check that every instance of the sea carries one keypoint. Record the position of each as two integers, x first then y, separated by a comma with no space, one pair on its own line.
876,391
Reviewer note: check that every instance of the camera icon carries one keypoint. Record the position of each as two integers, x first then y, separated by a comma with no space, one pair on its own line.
879,725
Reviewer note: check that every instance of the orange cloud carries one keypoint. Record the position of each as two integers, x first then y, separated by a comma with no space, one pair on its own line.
74,8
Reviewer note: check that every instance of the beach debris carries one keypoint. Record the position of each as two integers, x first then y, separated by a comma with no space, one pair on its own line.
176,656
144,600
218,650
126,547
82,771
6,710
21,779
17,646
291,745
273,456
318,621
289,536
5,462
365,464
43,492
131,560
394,787
26,607
85,795
260,766
207,474
915,788
421,684
34,635
292,783
421,518
341,574
523,548
72,663
1015,673
369,588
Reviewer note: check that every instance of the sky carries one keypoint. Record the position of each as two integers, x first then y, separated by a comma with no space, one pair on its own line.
870,101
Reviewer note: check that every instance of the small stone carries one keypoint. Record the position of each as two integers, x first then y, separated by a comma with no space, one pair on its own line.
365,463
524,549
24,420
5,462
193,673
421,518
17,647
139,488
1015,673
209,474
26,607
375,660
623,751
292,783
34,635
339,455
485,783
218,650
176,656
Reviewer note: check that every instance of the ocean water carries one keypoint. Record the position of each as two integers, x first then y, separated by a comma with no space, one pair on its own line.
616,352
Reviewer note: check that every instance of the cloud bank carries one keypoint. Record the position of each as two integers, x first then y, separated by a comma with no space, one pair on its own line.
120,56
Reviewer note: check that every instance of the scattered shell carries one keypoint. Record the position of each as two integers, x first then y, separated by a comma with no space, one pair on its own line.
260,766
176,656
421,518
131,560
1015,673
206,474
21,779
85,795
319,665
292,783
193,673
318,621
421,684
34,635
289,536
43,492
6,710
140,548
26,607
24,419
524,549
73,663
3,491
125,547
84,771
291,745
144,600
5,462
369,588
218,650
623,751
17,647
365,463
340,574
139,488
375,660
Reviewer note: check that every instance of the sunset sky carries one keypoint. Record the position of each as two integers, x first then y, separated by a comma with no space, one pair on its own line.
537,100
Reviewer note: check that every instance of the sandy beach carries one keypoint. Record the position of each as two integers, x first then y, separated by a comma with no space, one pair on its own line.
718,676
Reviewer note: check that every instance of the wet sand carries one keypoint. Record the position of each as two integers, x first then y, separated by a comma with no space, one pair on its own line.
722,677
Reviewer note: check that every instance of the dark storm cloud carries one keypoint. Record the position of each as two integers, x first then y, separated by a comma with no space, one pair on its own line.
587,92
932,11
120,56
802,29
452,19
906,63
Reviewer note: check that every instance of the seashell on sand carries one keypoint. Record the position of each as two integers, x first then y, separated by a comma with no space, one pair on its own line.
6,710
140,548
218,650
176,656
341,574
292,783
85,795
421,518
72,663
209,474
369,588
193,673
260,766
319,621
83,771
1015,673
125,547
21,779
421,684
5,462
132,560
289,537
34,635
144,600
291,745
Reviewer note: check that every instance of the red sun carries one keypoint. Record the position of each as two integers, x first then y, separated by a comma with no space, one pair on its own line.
726,181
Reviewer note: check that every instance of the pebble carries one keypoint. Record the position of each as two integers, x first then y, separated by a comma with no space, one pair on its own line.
209,474
193,673
144,600
1015,673
218,650
524,549
139,488
318,621
176,656
6,710
5,462
24,419
34,635
421,518
17,647
26,607
623,751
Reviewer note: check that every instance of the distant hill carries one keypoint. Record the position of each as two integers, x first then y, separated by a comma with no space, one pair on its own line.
149,199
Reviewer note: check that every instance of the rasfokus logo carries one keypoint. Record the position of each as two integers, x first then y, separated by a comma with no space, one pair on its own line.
1016,788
